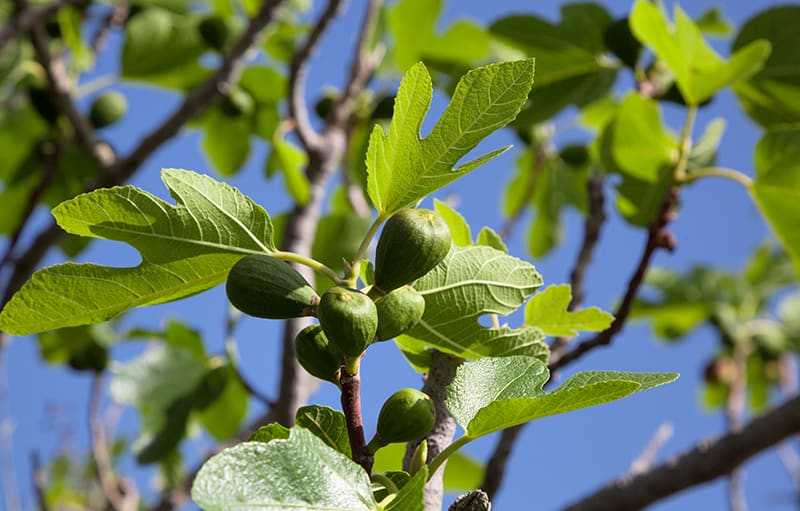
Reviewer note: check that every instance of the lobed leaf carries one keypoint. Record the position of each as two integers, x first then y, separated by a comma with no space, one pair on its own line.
548,312
403,167
186,248
326,423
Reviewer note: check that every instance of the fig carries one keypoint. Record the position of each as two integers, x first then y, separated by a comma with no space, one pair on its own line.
317,355
107,109
407,415
412,242
398,312
215,32
238,103
348,318
265,287
41,101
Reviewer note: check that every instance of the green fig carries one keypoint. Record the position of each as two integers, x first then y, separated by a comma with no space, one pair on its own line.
107,109
398,312
317,355
412,242
215,32
238,103
266,287
41,101
407,415
348,318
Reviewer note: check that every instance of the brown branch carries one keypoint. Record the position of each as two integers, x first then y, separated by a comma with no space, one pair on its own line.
704,463
657,237
351,405
115,18
298,69
121,495
473,501
734,409
27,18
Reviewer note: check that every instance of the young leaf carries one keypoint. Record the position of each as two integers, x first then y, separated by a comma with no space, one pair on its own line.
300,472
699,71
270,432
491,394
459,228
326,423
186,248
490,238
548,311
776,188
403,168
471,282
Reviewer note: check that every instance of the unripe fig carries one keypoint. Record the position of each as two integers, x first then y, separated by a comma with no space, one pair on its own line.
107,109
238,103
316,354
398,312
41,101
215,32
348,318
265,287
407,415
412,242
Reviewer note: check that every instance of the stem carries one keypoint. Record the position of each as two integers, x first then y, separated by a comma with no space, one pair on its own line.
685,144
449,450
386,482
310,262
355,269
734,175
351,404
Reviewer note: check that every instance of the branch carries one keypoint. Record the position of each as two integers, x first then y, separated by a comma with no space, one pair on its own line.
645,459
704,463
298,68
26,19
115,18
351,405
39,483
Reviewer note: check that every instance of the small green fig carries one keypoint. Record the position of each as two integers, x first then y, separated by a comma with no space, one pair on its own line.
317,355
348,318
107,109
412,242
266,287
407,415
398,312
215,32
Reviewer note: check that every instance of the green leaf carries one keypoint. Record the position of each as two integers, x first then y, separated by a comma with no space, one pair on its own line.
226,141
776,189
326,423
471,282
548,311
491,394
300,473
772,96
462,473
410,496
459,228
186,248
488,237
699,71
291,160
227,408
712,21
403,168
704,151
571,65
269,433
412,24
337,239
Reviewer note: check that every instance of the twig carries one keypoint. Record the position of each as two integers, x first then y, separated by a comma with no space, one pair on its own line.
706,462
113,19
658,237
734,408
441,373
351,405
298,68
120,494
645,459
27,18
39,483
8,468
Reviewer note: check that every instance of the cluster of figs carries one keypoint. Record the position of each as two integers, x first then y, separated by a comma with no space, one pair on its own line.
413,241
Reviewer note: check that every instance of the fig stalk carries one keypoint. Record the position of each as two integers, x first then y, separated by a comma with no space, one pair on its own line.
351,405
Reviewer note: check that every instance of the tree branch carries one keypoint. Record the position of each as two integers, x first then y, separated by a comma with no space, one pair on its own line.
704,463
29,17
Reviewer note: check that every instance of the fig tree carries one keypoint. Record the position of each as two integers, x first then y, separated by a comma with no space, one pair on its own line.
348,318
412,242
398,312
265,287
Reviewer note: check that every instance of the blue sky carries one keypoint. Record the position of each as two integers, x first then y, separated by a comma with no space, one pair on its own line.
559,458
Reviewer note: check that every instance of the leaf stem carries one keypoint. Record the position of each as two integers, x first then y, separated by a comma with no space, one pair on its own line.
449,450
310,262
732,174
685,144
355,269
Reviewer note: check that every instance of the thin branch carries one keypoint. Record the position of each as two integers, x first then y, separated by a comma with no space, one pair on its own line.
351,405
39,482
645,459
115,18
734,408
298,68
23,21
706,462
658,237
120,494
